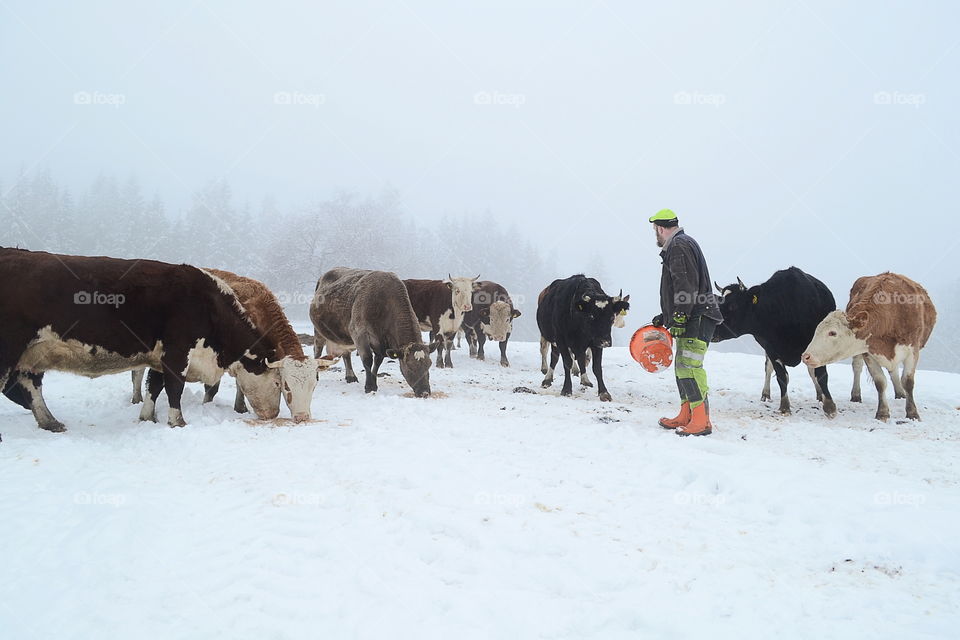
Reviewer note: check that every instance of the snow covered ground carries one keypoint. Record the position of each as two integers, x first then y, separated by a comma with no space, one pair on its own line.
484,513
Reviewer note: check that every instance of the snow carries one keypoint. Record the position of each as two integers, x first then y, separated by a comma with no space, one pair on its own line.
484,513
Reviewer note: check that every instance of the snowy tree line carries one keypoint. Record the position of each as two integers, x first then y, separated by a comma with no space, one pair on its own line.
285,248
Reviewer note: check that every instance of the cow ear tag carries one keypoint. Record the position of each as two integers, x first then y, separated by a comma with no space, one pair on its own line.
754,299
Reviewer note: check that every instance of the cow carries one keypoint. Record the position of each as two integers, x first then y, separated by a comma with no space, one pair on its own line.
440,305
97,315
296,374
492,317
575,315
370,312
619,322
781,314
888,320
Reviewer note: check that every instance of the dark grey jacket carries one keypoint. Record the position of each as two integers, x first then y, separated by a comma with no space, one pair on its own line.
685,283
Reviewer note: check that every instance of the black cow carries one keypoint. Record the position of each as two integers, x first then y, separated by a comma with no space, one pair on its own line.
492,317
782,315
575,315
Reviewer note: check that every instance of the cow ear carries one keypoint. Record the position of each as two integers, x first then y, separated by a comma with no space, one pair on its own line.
626,298
448,283
393,354
858,320
516,313
476,285
743,287
434,345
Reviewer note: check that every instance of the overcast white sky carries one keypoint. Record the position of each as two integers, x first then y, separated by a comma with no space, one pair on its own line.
793,132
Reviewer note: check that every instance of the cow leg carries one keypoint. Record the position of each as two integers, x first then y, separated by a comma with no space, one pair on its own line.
598,371
503,352
554,357
575,370
136,377
173,382
210,391
448,346
481,340
855,395
239,401
544,349
909,371
783,379
348,368
823,389
768,371
816,383
880,380
31,390
458,343
366,356
899,390
471,341
148,412
567,389
584,371
319,342
436,336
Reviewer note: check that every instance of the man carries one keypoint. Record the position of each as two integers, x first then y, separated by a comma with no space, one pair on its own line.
691,313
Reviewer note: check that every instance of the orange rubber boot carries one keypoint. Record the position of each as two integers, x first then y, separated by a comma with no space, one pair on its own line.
699,424
681,420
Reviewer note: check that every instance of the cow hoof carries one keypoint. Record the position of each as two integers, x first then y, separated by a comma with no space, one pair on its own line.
242,409
176,423
765,397
546,383
605,397
370,390
913,416
480,357
586,383
899,396
54,427
350,379
137,399
504,363
566,392
543,370
856,399
830,408
882,417
785,411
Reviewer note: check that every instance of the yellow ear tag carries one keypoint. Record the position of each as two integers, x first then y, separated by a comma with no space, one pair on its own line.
754,299
624,312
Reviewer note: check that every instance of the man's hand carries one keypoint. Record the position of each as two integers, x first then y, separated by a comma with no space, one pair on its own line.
679,325
657,320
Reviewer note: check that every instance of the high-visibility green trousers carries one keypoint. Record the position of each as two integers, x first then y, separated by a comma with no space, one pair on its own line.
688,365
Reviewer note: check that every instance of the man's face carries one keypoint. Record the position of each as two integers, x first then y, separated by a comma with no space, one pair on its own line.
658,232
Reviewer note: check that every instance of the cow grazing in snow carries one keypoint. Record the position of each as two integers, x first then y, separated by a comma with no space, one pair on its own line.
95,316
492,317
888,319
370,311
619,322
440,305
575,315
781,314
293,374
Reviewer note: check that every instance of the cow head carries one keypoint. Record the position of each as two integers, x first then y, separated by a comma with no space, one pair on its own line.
461,292
834,340
597,311
621,306
298,379
260,384
736,306
496,321
414,361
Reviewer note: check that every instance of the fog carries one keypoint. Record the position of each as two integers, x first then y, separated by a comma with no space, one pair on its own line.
537,138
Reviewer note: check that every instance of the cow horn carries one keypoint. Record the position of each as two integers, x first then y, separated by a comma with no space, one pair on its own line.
449,277
719,288
740,282
477,278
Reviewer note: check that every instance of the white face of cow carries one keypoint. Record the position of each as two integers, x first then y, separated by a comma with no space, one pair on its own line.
261,390
500,321
832,341
298,379
461,289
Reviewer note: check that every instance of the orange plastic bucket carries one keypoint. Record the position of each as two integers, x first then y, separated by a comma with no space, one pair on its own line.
652,347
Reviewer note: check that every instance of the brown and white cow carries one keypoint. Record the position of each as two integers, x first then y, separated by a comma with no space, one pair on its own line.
370,311
491,318
95,316
440,305
293,375
888,319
